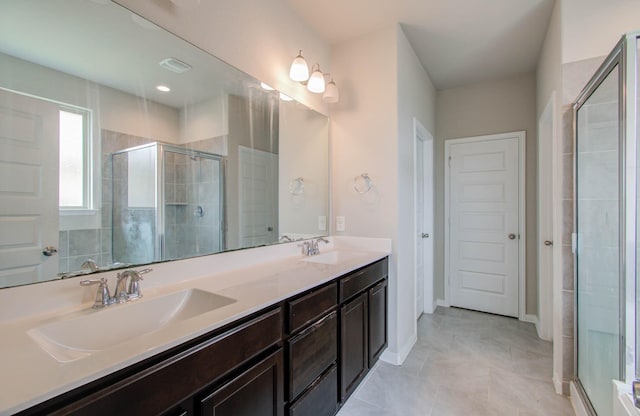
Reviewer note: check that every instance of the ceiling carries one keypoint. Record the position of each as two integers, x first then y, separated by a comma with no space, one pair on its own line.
459,42
77,37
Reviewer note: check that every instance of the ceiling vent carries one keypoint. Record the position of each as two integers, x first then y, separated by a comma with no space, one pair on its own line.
175,65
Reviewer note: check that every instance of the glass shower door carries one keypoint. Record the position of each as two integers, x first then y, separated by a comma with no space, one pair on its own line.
598,201
193,204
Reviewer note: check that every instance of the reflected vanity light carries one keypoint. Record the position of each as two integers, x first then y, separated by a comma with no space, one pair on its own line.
163,88
285,97
266,87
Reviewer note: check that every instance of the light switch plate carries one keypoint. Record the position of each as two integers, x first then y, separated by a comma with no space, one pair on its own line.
322,223
340,223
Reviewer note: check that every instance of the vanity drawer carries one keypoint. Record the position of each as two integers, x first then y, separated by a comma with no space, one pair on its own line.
306,309
361,279
321,399
311,352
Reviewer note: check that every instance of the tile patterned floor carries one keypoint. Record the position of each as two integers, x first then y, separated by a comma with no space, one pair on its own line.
465,363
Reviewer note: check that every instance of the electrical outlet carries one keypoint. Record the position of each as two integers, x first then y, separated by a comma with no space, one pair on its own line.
322,223
340,223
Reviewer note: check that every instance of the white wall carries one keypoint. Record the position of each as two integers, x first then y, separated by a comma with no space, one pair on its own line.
548,82
205,120
486,108
303,152
591,28
258,37
372,132
416,98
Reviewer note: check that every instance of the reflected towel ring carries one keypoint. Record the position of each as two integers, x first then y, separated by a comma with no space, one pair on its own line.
362,183
296,186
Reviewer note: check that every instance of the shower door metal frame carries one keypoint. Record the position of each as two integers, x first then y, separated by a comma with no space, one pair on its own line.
620,57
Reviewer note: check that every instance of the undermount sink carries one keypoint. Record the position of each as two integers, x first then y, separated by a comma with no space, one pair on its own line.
75,338
333,257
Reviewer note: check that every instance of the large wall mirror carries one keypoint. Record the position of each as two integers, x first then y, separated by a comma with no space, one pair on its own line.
123,144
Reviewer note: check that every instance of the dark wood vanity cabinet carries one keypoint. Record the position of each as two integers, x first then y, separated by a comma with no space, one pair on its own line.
312,352
363,323
302,357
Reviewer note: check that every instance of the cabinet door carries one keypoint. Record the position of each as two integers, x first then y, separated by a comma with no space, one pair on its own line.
353,354
256,392
377,321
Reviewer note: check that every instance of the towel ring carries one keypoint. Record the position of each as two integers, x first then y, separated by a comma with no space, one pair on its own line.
362,183
296,186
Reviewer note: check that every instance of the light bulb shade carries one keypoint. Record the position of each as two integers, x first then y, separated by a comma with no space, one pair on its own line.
331,94
299,70
316,82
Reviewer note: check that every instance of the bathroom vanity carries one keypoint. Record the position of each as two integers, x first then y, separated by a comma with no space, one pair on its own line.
302,353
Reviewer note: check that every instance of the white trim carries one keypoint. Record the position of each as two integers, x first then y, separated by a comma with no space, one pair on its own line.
545,281
576,401
534,320
521,136
399,357
443,303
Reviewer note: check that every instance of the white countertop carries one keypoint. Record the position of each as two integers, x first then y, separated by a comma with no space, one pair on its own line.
255,279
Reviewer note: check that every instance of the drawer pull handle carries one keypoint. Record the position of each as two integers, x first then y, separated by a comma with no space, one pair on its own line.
316,325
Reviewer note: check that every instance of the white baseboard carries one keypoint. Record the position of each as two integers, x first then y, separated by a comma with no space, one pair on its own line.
576,401
443,303
399,357
534,320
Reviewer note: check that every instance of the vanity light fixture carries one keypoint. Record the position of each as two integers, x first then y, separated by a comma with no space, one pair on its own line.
331,94
316,80
266,87
315,83
163,88
285,97
299,70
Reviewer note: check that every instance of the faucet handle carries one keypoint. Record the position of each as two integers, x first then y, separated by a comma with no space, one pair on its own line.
134,283
103,297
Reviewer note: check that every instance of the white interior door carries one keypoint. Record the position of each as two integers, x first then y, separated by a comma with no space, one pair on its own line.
28,188
424,219
546,192
258,193
484,232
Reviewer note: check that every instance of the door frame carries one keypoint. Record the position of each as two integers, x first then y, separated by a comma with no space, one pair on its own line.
521,136
546,282
420,133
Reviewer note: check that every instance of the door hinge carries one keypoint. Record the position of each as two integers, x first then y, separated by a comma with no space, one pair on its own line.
449,161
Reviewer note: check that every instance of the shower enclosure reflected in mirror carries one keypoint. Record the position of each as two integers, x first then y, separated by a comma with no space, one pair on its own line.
98,163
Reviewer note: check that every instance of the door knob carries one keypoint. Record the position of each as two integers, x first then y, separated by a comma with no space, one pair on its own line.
49,251
548,243
512,236
425,235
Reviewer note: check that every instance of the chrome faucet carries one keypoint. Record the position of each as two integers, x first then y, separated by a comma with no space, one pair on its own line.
122,294
90,264
311,248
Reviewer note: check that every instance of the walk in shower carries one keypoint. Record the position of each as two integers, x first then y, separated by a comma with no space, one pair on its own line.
605,246
167,203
